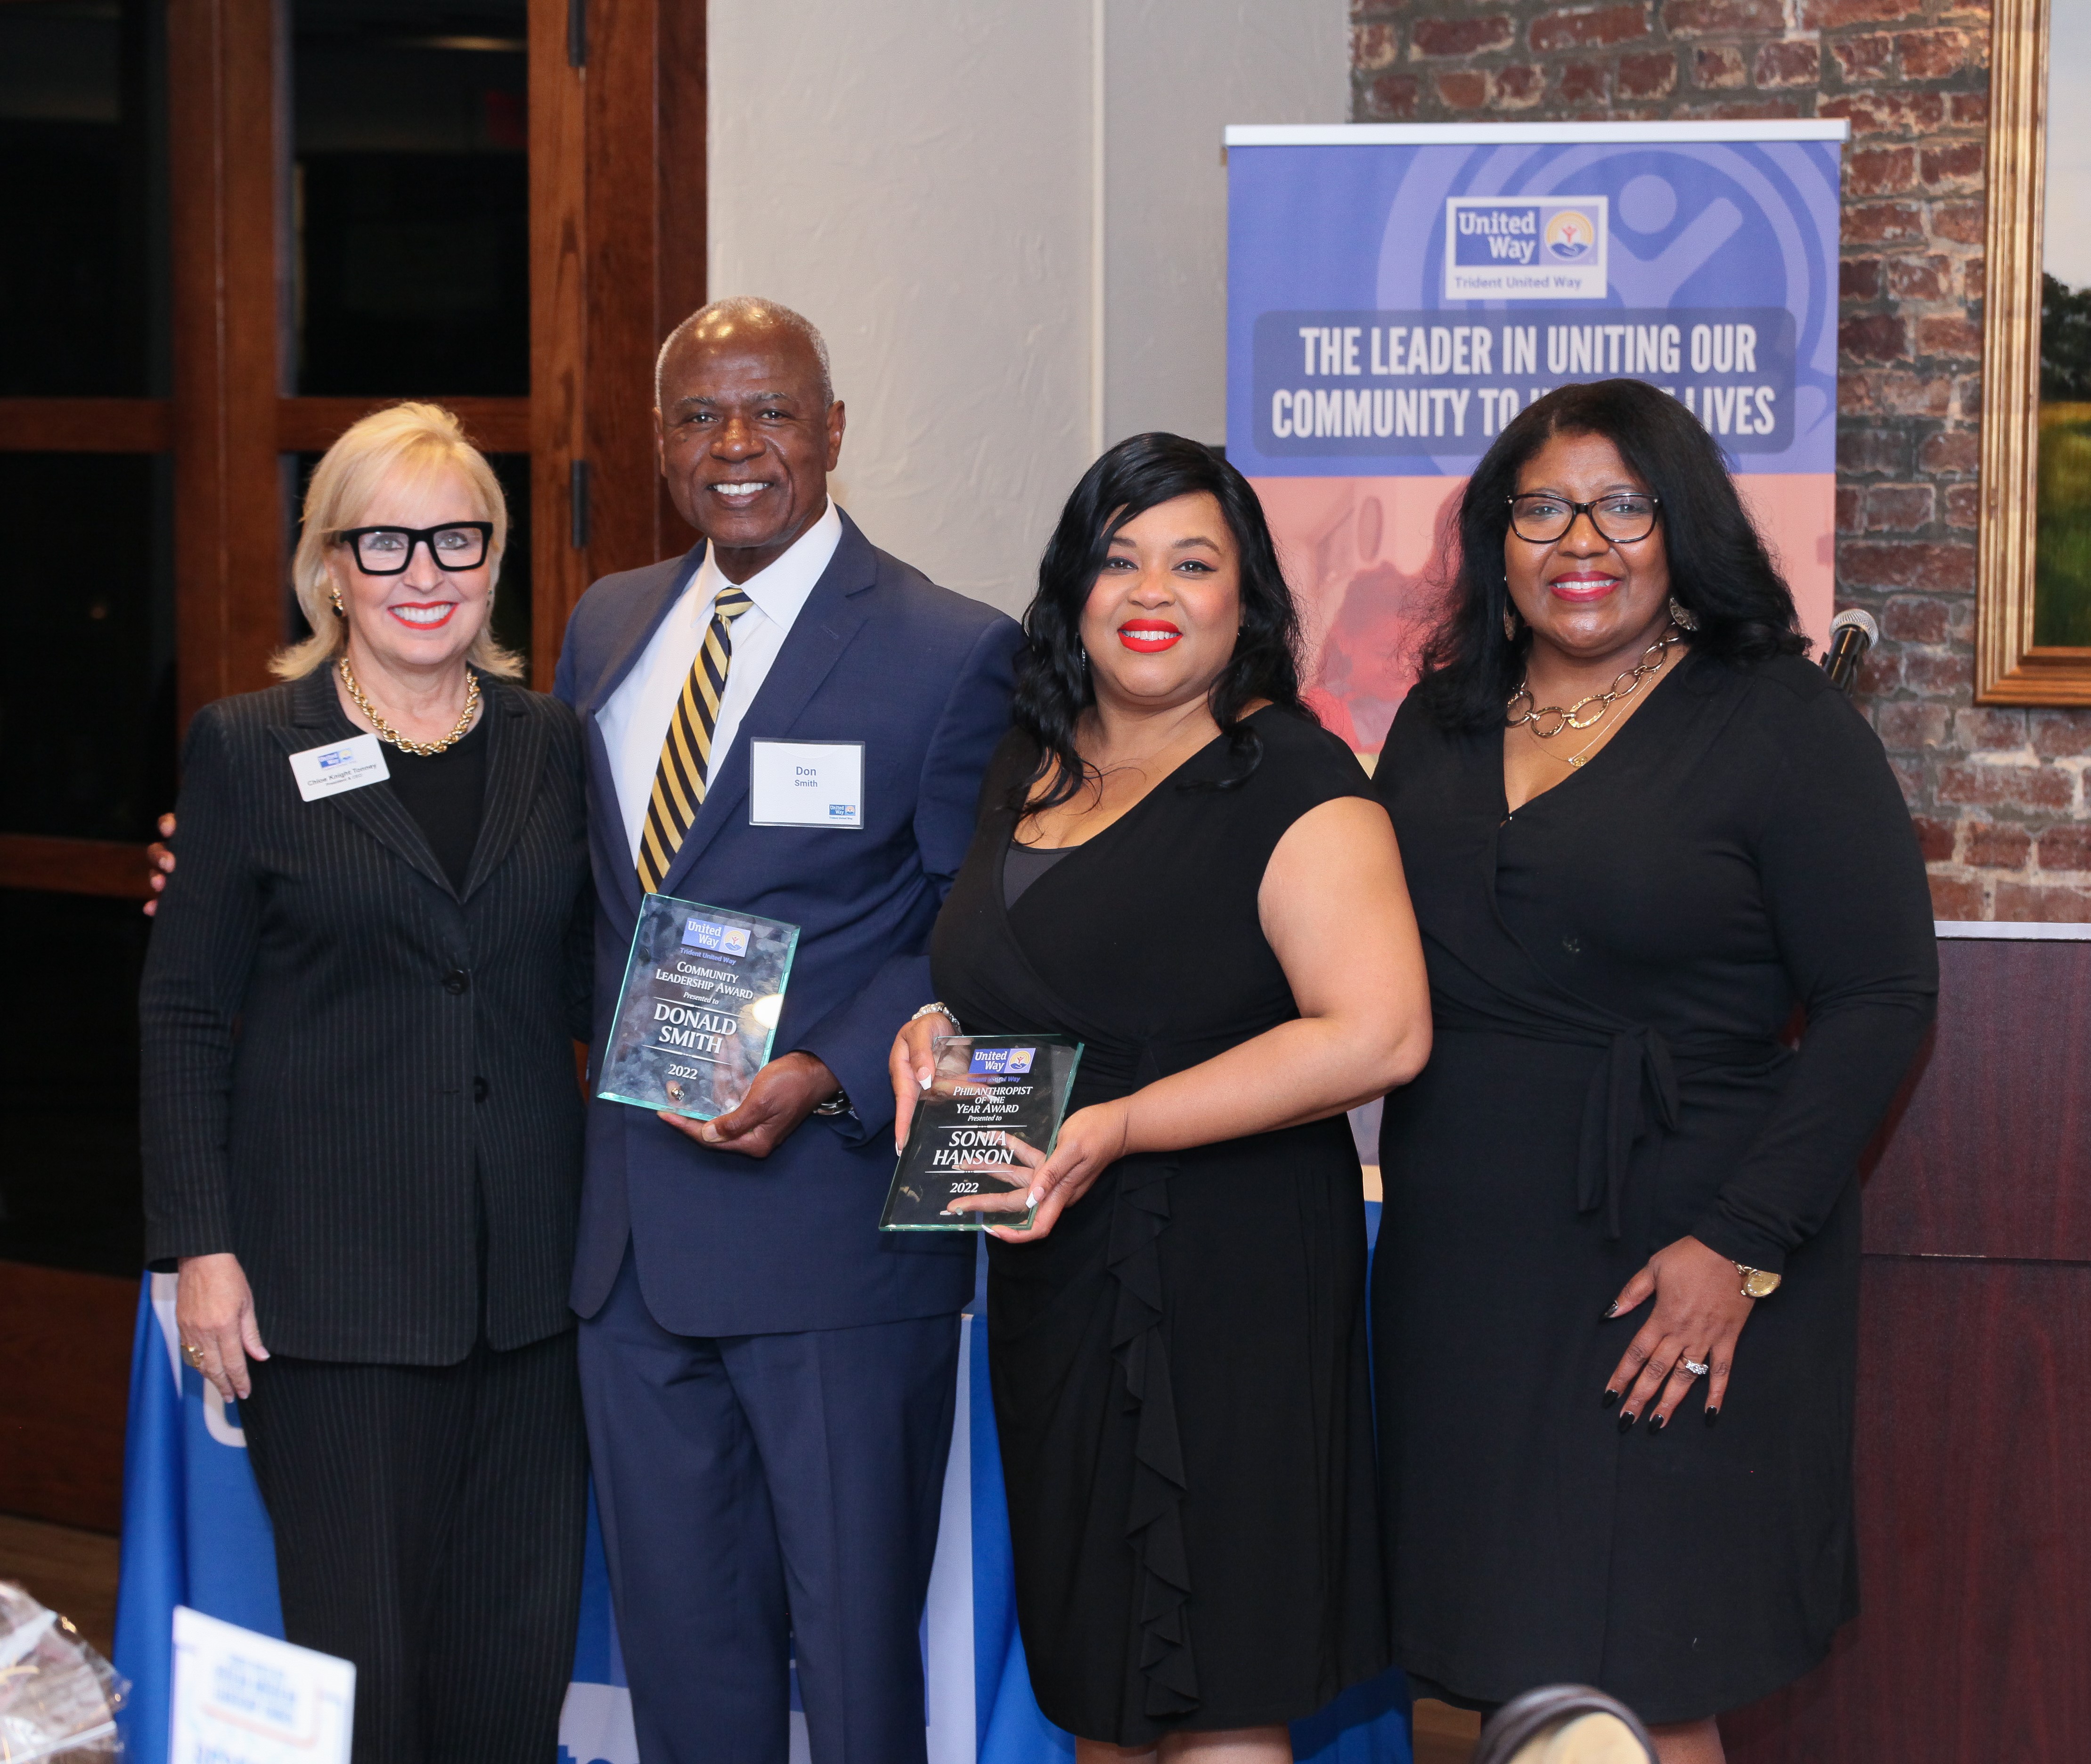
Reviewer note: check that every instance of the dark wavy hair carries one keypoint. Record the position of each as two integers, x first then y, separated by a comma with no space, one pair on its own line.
1719,568
1053,684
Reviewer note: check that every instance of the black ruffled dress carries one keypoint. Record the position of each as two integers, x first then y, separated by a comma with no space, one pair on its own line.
1179,1370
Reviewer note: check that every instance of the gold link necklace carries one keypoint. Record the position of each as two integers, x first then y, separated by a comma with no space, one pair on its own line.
385,732
1570,718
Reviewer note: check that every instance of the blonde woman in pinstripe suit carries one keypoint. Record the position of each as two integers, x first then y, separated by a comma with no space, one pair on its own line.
362,1126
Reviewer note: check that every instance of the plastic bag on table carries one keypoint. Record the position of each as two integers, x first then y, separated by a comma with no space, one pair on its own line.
58,1697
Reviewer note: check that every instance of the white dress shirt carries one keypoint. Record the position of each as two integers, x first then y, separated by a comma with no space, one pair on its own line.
634,720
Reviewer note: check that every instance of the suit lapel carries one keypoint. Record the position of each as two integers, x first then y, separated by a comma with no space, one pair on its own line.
642,620
515,744
830,617
379,812
612,847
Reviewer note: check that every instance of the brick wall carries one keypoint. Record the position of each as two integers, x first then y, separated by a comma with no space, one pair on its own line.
1999,796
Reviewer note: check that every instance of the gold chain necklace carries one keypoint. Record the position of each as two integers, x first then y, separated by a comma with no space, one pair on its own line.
385,732
1569,718
1573,761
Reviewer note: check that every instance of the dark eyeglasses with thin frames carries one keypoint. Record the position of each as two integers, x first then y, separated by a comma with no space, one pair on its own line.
1622,517
390,550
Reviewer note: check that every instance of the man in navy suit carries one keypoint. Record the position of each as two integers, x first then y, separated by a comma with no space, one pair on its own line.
769,1379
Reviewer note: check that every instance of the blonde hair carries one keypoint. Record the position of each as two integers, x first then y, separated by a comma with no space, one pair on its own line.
419,441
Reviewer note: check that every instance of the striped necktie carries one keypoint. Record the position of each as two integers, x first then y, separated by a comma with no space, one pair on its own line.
686,756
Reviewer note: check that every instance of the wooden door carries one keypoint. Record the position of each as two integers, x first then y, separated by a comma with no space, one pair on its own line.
239,232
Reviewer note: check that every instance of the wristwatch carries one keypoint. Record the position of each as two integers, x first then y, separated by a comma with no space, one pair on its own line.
839,1104
1757,1282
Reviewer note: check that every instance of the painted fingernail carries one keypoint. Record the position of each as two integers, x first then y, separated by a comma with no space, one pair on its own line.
1032,1198
1610,1311
1658,1423
1626,1422
1713,1415
1608,1398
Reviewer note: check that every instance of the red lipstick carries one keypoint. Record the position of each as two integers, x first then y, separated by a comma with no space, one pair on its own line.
423,615
1149,637
1581,589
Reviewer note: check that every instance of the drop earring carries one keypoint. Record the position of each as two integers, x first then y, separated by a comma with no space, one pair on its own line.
1681,616
333,593
1510,624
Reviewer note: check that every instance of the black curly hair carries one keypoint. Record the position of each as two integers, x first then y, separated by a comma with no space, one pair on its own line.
1719,569
1053,684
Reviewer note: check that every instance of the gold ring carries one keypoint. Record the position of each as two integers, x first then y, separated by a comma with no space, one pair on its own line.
193,1354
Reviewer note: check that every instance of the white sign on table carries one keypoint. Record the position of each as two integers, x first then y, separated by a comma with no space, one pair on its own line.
243,1698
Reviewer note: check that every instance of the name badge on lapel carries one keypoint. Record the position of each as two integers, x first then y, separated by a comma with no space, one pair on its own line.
805,784
327,771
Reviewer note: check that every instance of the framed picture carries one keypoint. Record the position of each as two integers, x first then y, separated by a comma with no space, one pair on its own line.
2033,598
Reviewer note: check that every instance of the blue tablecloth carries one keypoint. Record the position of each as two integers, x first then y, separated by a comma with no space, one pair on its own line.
195,1532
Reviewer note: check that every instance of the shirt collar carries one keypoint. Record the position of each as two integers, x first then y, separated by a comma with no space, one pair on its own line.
780,590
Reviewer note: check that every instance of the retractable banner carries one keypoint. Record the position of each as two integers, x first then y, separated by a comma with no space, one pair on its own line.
1397,293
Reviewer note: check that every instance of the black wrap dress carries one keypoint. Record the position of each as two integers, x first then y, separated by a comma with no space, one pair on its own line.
1180,1369
1611,969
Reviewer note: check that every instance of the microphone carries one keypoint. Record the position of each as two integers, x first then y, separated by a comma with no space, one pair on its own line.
1851,633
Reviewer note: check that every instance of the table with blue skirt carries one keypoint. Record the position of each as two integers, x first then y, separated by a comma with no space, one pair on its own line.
196,1534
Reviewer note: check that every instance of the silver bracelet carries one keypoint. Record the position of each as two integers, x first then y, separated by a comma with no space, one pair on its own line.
939,1008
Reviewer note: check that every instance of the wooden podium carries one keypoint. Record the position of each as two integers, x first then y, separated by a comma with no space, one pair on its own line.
1974,1410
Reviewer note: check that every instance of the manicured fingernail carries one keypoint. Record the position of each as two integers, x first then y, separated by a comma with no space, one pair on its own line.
1609,1312
1658,1423
1608,1398
1713,1415
1032,1198
1626,1422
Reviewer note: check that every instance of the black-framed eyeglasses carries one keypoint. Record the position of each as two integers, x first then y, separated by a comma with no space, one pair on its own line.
1623,517
389,550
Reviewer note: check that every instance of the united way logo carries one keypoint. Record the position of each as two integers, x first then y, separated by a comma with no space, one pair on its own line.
1569,236
1525,248
714,938
1001,1062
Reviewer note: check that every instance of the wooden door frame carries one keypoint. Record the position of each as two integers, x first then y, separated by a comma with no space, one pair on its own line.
227,62
617,118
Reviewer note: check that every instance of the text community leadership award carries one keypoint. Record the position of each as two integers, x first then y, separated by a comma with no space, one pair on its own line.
989,1091
698,1012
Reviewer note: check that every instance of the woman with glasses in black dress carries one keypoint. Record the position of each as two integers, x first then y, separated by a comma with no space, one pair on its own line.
1641,829
1177,865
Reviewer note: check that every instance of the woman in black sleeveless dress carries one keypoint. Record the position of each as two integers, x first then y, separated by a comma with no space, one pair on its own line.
1176,865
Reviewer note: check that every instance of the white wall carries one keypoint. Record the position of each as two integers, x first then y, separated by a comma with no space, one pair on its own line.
1176,73
921,178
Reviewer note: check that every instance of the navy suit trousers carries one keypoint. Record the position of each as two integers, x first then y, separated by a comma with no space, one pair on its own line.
765,1495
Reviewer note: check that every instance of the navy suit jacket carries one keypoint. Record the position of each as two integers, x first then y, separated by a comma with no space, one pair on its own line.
727,1244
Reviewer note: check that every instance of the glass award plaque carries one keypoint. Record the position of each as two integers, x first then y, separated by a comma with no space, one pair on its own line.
988,1090
694,1023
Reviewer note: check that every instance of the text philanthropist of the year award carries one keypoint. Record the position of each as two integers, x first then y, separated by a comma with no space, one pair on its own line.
989,1091
702,992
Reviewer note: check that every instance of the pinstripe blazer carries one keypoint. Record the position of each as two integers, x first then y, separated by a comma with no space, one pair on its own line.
352,1069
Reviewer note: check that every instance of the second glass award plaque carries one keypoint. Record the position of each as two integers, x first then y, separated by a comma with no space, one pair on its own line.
989,1089
699,1010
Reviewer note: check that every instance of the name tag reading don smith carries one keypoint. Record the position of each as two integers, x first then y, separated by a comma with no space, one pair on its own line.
703,990
805,784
